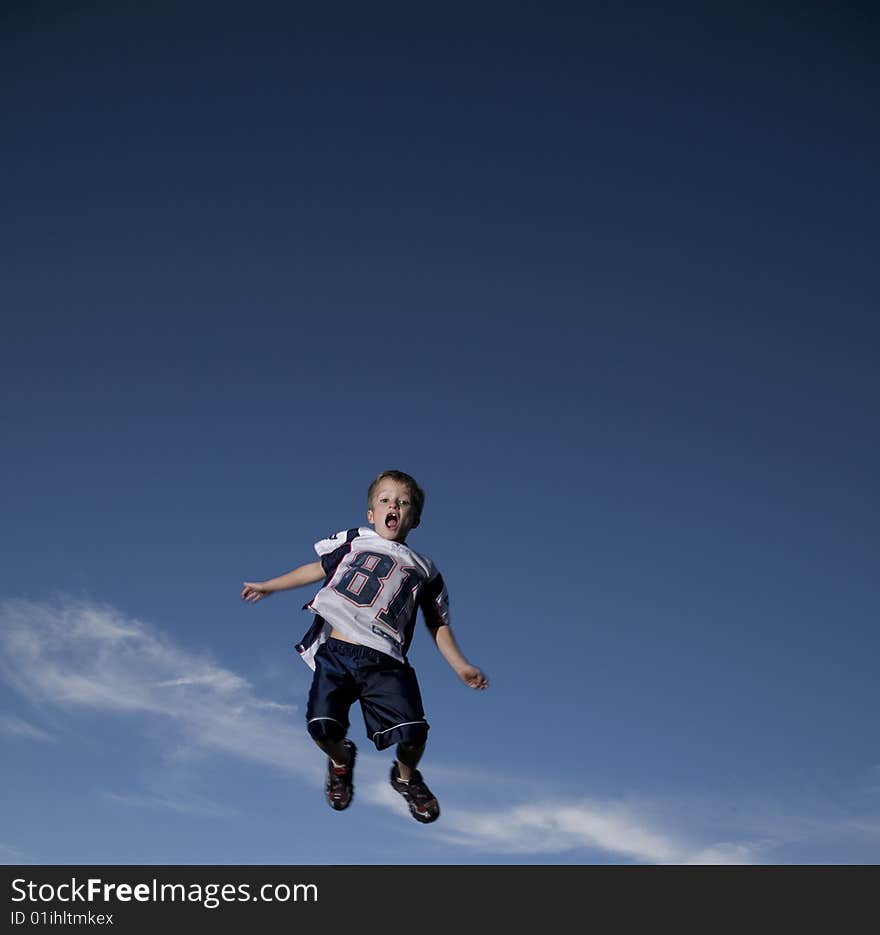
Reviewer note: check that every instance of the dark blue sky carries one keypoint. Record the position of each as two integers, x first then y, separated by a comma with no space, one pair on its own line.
604,279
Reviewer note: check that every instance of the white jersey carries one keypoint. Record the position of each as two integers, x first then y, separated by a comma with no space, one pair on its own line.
372,592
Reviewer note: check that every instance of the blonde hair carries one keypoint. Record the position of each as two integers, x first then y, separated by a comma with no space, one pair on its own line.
416,492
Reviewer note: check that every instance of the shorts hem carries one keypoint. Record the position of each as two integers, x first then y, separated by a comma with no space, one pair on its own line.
416,732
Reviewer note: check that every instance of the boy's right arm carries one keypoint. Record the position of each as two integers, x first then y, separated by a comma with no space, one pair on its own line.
253,591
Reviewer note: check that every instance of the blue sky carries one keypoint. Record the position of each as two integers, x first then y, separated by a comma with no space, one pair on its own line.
604,281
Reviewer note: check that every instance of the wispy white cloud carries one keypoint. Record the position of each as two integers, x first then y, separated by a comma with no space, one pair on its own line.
729,852
548,827
10,854
185,805
612,828
16,727
869,825
77,654
623,831
220,679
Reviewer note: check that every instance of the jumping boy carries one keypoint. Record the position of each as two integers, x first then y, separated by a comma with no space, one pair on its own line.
373,585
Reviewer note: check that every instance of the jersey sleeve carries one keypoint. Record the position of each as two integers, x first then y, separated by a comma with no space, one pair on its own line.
434,601
333,549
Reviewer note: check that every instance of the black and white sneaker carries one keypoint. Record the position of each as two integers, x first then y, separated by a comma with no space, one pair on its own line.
422,804
340,780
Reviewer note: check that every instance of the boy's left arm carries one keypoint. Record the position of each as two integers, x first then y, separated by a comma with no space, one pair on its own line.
469,674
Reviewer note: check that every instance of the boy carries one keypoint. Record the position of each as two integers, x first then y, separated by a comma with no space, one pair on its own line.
373,585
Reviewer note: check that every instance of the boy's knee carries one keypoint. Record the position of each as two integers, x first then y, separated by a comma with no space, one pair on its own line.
326,730
413,737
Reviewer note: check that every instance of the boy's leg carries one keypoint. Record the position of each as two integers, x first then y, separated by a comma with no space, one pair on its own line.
408,759
332,693
338,750
339,786
393,713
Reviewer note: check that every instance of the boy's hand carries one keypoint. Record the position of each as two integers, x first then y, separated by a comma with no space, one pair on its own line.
473,677
254,591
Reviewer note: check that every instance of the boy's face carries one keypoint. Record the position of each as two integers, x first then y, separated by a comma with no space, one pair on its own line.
391,512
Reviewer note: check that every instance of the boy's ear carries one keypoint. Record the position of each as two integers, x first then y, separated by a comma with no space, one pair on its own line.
369,516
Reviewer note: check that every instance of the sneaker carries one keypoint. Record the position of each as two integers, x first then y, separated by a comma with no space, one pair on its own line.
340,780
422,804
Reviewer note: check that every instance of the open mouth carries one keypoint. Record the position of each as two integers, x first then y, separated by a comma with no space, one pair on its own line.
391,521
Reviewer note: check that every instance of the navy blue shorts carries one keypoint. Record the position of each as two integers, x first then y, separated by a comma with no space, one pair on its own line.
387,690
